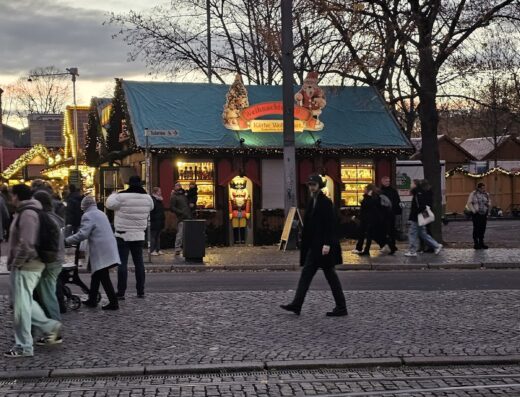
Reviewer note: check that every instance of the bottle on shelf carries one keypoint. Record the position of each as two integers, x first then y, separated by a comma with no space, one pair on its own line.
205,173
182,173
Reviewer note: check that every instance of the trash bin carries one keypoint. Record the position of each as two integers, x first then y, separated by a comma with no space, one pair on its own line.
194,240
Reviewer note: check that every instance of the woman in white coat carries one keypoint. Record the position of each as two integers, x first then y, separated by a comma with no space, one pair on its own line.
102,249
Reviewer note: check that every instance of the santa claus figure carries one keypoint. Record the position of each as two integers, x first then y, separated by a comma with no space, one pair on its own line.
312,97
239,208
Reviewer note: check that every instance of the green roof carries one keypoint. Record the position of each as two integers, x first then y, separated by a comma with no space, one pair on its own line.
354,118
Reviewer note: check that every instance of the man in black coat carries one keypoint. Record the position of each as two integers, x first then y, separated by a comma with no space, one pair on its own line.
73,213
389,191
319,248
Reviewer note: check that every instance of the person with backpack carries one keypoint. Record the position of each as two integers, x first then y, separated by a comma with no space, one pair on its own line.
46,288
103,251
58,206
393,206
25,261
371,218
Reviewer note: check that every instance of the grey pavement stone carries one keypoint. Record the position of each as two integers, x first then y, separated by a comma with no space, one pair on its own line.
229,327
108,371
454,265
463,360
31,373
205,368
334,363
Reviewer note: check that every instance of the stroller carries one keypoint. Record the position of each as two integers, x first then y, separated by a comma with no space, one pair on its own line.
70,275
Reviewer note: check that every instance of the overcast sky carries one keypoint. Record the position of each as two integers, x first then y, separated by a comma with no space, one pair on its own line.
38,33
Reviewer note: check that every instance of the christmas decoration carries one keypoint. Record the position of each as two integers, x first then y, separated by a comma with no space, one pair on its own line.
312,97
236,101
117,115
93,136
25,159
239,208
460,170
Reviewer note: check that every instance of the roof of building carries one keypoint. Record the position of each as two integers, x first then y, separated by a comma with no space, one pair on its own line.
10,155
481,147
417,143
354,117
15,137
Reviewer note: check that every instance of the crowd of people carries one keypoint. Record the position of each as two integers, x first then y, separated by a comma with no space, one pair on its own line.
39,224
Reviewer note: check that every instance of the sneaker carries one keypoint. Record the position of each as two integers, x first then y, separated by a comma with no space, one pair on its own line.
52,338
154,253
410,254
356,251
160,252
16,352
386,249
438,249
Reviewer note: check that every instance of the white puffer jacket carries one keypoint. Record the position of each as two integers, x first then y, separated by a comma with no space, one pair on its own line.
131,214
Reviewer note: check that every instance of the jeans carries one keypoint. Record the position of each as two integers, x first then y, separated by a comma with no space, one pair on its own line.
179,236
136,248
102,277
479,227
155,244
46,290
28,313
414,232
308,272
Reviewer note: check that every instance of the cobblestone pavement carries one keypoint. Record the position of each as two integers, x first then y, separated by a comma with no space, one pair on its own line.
229,327
411,382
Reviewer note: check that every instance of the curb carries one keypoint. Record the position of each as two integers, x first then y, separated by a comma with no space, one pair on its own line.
255,366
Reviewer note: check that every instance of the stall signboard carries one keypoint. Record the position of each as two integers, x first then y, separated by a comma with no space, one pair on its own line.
169,133
409,170
239,115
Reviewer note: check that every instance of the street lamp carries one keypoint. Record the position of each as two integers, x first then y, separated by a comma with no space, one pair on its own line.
73,72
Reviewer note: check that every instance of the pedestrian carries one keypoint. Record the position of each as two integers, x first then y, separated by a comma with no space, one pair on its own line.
102,251
46,288
157,221
131,211
319,248
180,206
479,204
422,196
389,191
192,195
371,218
5,220
57,204
26,266
73,213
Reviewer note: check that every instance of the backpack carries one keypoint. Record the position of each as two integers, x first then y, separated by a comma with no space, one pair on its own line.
385,201
48,246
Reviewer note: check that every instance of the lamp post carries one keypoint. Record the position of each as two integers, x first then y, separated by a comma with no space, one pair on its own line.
73,72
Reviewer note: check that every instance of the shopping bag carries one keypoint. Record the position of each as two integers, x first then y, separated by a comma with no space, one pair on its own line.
426,217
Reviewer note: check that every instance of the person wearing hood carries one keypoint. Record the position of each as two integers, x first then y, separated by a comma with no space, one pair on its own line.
26,269
180,206
73,212
320,248
131,208
102,251
157,221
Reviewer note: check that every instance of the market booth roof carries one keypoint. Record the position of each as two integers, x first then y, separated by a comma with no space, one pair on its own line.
353,118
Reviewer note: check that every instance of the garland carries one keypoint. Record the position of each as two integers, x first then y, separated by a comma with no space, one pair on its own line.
460,170
24,160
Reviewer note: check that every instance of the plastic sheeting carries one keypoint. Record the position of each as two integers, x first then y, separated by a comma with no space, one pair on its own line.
355,117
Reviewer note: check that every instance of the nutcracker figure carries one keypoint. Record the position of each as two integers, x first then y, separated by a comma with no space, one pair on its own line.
239,208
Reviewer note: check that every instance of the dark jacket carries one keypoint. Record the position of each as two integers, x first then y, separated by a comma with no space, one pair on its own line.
179,205
192,196
420,199
157,217
74,213
371,211
319,229
393,195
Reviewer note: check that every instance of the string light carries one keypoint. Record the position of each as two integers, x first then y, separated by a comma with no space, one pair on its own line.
25,159
460,170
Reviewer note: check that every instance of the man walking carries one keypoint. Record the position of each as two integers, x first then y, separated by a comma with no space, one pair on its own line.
131,210
479,204
319,248
389,191
73,213
26,269
180,206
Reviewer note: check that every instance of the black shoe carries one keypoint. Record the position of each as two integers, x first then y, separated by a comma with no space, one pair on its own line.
483,246
337,312
477,246
140,295
90,304
120,297
393,251
291,308
365,253
111,306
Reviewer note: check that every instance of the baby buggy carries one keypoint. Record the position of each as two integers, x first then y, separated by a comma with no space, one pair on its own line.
70,275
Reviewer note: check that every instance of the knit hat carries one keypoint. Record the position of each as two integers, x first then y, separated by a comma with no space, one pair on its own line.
135,181
87,202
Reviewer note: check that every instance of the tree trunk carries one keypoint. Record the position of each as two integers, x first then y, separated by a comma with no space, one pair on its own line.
429,118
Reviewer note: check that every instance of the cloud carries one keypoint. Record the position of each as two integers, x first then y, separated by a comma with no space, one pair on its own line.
36,33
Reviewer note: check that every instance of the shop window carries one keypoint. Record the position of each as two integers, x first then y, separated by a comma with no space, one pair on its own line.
202,174
355,175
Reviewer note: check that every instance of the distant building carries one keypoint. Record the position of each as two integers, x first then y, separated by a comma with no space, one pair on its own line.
46,130
449,150
505,151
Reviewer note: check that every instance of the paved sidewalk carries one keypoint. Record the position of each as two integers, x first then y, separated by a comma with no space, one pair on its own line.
247,330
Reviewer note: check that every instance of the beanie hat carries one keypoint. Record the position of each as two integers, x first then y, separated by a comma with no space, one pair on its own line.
87,202
134,181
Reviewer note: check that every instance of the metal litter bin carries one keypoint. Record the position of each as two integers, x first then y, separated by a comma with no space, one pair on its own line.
194,240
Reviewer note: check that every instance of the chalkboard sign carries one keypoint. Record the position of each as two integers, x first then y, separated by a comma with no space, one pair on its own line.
290,229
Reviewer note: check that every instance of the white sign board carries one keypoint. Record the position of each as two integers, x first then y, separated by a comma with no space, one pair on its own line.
173,133
408,170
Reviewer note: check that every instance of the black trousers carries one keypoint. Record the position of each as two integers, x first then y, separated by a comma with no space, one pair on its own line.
308,272
102,277
391,232
479,227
